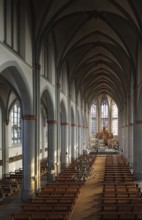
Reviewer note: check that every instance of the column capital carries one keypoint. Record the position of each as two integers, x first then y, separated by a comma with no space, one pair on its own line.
7,121
29,117
37,66
138,122
65,123
52,122
73,125
84,126
58,85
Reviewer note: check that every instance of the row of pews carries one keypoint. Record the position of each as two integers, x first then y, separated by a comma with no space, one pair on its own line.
11,182
57,199
121,196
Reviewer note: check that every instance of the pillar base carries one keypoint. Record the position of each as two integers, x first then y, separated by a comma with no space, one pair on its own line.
27,194
138,176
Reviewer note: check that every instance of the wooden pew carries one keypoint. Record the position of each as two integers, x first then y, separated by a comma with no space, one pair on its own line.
120,216
43,208
70,201
37,216
121,194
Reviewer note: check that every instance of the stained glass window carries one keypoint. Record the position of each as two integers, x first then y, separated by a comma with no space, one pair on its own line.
16,123
104,113
114,119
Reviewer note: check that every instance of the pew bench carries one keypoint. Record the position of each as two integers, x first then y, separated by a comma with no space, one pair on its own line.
122,208
37,216
122,200
46,209
121,194
52,201
120,216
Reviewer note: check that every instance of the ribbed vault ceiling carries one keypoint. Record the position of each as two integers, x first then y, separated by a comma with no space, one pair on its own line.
96,39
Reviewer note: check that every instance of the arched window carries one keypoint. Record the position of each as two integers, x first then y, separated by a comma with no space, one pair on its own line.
16,123
93,118
104,114
114,118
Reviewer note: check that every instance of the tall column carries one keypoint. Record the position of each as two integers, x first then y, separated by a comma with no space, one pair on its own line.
126,146
65,150
138,149
42,135
123,131
52,150
79,140
109,119
5,149
84,137
29,174
36,109
58,128
99,118
131,135
69,131
120,133
73,142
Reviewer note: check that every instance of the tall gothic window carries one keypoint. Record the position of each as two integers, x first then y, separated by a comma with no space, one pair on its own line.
104,114
114,119
16,123
93,118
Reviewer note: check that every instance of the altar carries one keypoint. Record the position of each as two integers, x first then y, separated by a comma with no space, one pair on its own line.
104,135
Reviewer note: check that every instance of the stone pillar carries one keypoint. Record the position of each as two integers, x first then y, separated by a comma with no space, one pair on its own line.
99,118
123,139
79,140
65,150
138,150
126,146
120,133
109,120
131,140
42,135
36,108
87,135
52,150
29,174
5,149
58,112
84,139
73,142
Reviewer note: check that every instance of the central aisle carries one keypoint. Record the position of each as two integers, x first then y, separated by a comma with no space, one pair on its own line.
88,202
